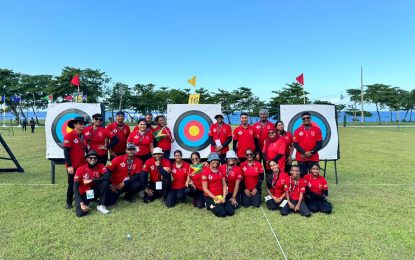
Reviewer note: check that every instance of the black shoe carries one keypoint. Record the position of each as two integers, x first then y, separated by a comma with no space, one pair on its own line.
68,206
129,199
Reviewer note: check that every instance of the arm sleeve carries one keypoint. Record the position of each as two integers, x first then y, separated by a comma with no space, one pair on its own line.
228,141
67,154
256,141
163,172
298,148
260,180
318,146
212,143
105,177
276,158
76,191
234,145
114,140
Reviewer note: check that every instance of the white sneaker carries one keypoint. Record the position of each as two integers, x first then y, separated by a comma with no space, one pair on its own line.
102,209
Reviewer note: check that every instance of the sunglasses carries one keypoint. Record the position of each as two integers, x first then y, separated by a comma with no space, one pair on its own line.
249,154
306,118
194,159
131,149
271,133
93,158
98,119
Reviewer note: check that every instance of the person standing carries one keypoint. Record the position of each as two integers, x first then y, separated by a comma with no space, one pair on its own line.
289,148
162,136
24,124
274,150
307,142
262,127
294,188
220,136
244,138
142,138
121,131
74,151
253,176
149,121
32,125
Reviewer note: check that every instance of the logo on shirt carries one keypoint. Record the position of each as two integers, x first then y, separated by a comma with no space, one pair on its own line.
114,131
313,133
244,169
210,177
240,133
214,130
87,133
86,176
152,167
122,164
301,133
99,134
258,127
173,171
75,140
251,132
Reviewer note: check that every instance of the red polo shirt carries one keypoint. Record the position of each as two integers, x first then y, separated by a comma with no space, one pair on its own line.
122,169
272,149
195,174
165,142
232,175
94,138
151,168
179,175
245,138
122,132
316,184
86,173
294,188
277,186
250,174
220,132
307,140
75,141
143,142
261,131
214,181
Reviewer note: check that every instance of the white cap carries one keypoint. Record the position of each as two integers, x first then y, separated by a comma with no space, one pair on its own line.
231,155
157,150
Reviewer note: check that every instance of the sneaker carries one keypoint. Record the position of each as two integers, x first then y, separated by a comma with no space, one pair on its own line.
102,209
68,206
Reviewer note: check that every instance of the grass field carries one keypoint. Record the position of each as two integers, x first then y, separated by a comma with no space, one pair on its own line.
373,214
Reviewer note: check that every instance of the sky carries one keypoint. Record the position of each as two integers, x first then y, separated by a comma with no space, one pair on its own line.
226,44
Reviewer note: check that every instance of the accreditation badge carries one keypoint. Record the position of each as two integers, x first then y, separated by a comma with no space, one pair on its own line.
89,194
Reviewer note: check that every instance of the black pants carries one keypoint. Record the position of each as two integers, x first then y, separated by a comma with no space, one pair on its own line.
304,211
69,191
304,166
272,205
33,128
165,184
175,195
220,210
251,201
319,205
238,199
103,159
100,191
198,197
23,128
129,189
166,154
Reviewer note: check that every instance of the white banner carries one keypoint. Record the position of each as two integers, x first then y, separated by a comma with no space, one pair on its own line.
57,117
190,127
323,116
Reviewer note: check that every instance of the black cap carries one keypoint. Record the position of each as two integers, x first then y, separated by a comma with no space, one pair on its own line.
71,123
91,153
219,115
97,115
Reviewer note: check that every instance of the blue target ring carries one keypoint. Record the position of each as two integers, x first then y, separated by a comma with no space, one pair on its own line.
60,124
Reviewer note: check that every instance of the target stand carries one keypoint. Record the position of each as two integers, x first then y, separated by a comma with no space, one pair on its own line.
12,158
324,169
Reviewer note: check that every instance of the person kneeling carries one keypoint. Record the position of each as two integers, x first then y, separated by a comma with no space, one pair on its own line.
126,176
214,187
179,172
275,187
90,183
253,176
294,193
317,191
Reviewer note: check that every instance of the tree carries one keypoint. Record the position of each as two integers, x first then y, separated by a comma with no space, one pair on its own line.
144,100
355,97
178,96
395,100
291,94
322,102
227,99
245,100
408,102
377,94
120,97
9,82
204,96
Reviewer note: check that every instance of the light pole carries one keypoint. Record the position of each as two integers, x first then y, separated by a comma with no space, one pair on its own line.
361,94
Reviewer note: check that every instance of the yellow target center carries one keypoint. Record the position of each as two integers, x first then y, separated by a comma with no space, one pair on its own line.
194,130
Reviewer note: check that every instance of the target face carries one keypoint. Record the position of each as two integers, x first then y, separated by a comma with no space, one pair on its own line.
191,130
60,124
317,119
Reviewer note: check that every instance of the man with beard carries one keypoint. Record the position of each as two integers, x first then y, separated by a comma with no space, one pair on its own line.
121,131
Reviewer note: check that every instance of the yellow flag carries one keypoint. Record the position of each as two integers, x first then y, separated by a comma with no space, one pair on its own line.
192,81
194,98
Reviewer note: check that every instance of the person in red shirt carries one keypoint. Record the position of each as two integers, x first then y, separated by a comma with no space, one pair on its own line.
74,152
121,131
307,142
244,138
90,183
220,136
96,137
159,169
261,130
214,188
317,191
233,176
126,176
149,121
294,188
179,173
253,176
289,148
274,150
275,187
194,181
162,136
142,138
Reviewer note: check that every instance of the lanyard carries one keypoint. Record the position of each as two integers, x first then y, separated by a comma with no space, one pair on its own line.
295,185
141,137
129,166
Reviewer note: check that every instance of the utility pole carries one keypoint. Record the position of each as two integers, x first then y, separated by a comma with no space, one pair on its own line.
361,94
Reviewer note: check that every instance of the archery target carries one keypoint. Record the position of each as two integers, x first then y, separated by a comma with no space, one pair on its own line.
56,125
190,127
322,116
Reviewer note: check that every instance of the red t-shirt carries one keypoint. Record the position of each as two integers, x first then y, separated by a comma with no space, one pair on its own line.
245,138
151,168
143,142
231,176
164,136
222,133
261,131
94,138
288,138
294,188
179,176
195,174
122,170
307,140
277,187
316,184
250,174
214,181
272,149
84,172
122,132
75,141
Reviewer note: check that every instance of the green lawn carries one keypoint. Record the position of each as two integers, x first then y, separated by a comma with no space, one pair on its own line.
373,213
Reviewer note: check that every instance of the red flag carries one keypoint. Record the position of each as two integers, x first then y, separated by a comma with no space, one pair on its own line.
68,98
300,79
75,80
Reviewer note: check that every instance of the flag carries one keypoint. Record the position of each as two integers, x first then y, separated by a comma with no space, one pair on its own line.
59,99
68,98
300,79
3,98
75,80
192,81
84,98
196,169
158,135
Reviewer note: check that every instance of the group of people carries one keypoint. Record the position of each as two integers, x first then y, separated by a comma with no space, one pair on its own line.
32,124
140,161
